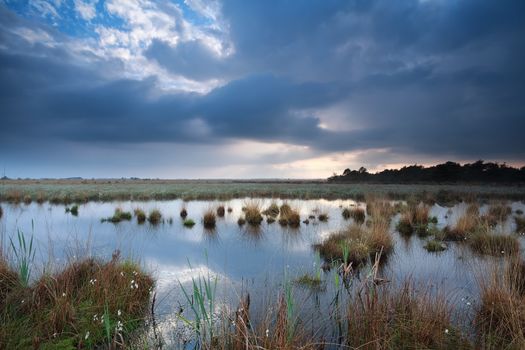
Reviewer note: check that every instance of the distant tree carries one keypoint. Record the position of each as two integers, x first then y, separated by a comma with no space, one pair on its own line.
477,172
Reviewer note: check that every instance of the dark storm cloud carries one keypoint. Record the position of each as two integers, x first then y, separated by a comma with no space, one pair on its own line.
433,77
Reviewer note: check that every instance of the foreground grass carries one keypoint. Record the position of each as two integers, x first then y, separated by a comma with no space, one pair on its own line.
69,191
89,303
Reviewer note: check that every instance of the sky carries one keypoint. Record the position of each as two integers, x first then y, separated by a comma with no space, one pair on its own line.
257,89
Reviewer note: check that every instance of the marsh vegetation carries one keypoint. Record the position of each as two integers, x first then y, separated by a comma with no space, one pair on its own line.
351,281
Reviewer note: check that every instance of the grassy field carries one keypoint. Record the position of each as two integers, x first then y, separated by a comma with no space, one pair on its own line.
66,191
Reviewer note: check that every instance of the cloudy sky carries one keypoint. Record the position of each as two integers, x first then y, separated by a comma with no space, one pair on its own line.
253,89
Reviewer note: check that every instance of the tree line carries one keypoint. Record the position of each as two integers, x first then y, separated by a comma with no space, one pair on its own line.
448,172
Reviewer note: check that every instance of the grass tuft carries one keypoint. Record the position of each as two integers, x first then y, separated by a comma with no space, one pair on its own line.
252,214
88,304
154,217
435,246
183,213
494,244
221,211
118,216
209,219
272,210
140,215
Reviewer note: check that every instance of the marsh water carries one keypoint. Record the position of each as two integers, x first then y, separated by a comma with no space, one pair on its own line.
244,259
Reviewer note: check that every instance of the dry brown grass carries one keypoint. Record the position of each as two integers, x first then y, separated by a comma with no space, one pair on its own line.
500,316
465,226
360,242
209,219
252,214
414,219
289,216
154,217
486,243
407,318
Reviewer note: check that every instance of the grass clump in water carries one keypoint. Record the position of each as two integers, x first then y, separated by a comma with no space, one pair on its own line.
1,212
88,304
221,211
414,219
272,210
323,217
500,316
357,243
118,216
74,210
309,281
209,219
289,217
435,246
188,223
140,215
405,318
241,221
252,214
357,214
183,213
154,217
485,243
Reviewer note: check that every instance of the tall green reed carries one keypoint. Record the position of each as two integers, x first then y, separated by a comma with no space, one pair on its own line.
24,254
201,299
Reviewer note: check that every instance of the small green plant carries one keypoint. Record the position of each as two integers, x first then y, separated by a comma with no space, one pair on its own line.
189,223
25,255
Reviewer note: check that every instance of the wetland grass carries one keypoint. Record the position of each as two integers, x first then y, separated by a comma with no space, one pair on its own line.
1,212
118,216
221,211
241,221
154,217
87,304
140,215
357,244
183,213
357,214
486,243
272,210
414,219
500,315
27,199
289,216
401,318
323,217
209,219
434,246
252,214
